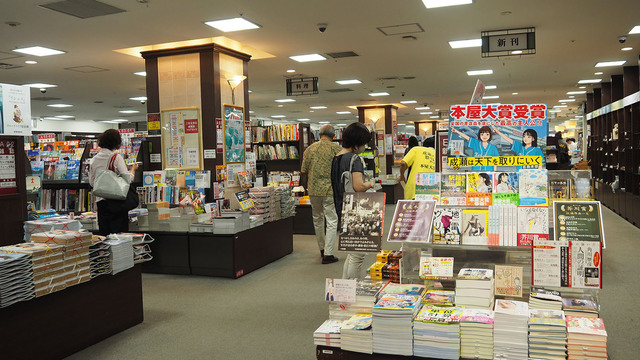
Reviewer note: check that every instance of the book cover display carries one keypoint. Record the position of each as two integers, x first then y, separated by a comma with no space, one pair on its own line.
453,189
534,187
412,221
447,225
490,137
479,189
533,224
578,220
474,225
362,218
428,186
508,280
506,188
576,264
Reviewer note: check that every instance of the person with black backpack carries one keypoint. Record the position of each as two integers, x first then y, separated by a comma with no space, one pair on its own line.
562,151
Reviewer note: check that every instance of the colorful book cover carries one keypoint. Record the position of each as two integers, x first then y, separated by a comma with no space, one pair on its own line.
512,307
159,177
37,167
358,322
474,227
453,189
73,169
428,186
533,224
245,201
585,325
391,301
412,221
546,317
190,178
438,315
171,178
506,188
559,189
361,224
181,179
244,179
147,178
404,289
508,280
447,224
579,304
477,316
221,172
585,264
435,267
439,298
479,189
534,187
475,274
49,170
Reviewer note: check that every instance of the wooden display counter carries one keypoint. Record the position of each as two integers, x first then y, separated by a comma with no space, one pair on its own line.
334,353
57,325
303,221
170,250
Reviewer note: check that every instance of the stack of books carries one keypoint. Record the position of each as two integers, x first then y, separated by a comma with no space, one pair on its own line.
141,249
510,329
328,334
356,334
474,288
231,222
76,253
586,338
287,202
436,332
367,291
121,253
580,307
544,299
266,203
476,334
442,298
547,334
256,220
393,323
16,278
47,259
53,223
99,258
158,215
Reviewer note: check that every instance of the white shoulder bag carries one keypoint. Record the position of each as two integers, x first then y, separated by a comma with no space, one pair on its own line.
110,185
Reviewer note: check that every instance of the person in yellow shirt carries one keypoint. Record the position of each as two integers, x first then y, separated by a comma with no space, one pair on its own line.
420,159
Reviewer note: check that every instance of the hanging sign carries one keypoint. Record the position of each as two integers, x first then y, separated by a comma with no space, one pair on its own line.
15,103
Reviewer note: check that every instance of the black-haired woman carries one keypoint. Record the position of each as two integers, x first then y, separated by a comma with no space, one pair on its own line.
528,146
110,221
347,175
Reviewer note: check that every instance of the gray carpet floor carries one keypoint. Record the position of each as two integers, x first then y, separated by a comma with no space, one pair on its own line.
272,312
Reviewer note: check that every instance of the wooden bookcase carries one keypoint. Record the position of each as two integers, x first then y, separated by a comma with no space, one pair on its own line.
613,115
305,138
13,205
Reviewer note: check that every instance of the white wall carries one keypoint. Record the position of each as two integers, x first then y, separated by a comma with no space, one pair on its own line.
72,126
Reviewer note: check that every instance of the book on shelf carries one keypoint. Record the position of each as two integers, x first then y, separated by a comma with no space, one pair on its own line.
479,188
534,186
508,280
447,224
453,189
49,170
73,169
443,298
580,307
428,186
506,188
533,224
540,298
559,189
585,330
474,226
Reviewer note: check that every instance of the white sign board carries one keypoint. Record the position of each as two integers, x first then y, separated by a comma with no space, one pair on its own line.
15,103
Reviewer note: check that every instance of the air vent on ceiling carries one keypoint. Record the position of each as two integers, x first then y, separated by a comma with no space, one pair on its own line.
5,66
46,98
82,9
392,78
86,69
339,90
401,29
342,54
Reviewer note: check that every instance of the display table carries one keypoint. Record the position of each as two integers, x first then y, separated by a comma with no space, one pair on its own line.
209,254
334,353
57,325
394,193
303,221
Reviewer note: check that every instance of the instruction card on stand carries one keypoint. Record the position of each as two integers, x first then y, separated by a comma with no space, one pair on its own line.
340,290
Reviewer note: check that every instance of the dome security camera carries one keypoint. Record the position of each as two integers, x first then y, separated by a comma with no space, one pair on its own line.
322,27
622,39
43,90
143,102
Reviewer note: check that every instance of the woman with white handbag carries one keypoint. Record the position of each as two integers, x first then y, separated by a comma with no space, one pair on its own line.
111,217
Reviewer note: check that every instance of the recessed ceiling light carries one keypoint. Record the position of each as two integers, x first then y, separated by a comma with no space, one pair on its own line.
491,97
460,44
59,105
119,120
382,93
39,51
341,124
598,73
307,58
304,119
251,112
576,92
140,73
555,111
40,85
285,100
278,116
589,81
349,82
491,87
409,102
323,122
479,72
514,93
611,63
52,118
426,113
566,100
582,87
30,62
430,4
635,30
423,108
291,71
128,111
65,116
434,117
318,107
560,106
343,112
628,48
516,52
138,98
235,24
280,105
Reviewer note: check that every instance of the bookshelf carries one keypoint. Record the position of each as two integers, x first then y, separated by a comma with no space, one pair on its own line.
280,147
613,115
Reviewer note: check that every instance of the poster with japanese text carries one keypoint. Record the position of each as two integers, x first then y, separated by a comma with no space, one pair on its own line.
15,110
578,221
361,223
181,139
412,221
8,183
234,128
497,137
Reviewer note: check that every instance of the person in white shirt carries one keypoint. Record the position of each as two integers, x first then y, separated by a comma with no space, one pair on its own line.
110,221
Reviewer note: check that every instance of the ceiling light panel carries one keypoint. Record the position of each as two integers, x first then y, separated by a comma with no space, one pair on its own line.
235,24
39,51
382,93
479,72
611,63
635,30
40,85
348,82
589,81
461,44
408,102
576,92
431,4
308,57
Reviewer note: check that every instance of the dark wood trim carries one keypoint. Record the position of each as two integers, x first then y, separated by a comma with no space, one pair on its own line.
630,80
245,87
589,103
597,98
605,95
13,209
616,87
388,129
194,49
153,88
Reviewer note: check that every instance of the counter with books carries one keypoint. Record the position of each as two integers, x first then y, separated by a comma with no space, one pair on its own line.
232,254
62,323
